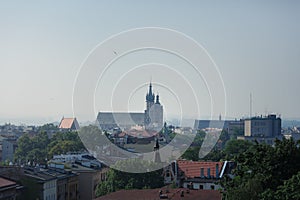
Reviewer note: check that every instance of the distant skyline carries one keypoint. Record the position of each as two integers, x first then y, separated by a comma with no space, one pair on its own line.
255,44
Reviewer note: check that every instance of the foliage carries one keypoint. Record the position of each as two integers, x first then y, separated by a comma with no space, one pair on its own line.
32,149
192,153
199,138
235,147
264,171
289,190
39,147
49,127
217,154
236,132
117,180
65,142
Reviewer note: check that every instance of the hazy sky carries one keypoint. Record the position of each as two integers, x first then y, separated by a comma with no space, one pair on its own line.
255,44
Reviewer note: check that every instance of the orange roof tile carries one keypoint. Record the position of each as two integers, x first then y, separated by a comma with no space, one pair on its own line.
66,123
192,169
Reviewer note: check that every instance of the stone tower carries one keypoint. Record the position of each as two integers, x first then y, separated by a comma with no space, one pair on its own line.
153,112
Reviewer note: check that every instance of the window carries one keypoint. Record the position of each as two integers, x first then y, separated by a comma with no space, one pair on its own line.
168,174
212,187
201,187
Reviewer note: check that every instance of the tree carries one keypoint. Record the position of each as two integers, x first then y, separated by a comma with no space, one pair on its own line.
262,170
236,147
192,153
65,142
32,149
117,180
289,190
199,138
40,147
215,155
24,146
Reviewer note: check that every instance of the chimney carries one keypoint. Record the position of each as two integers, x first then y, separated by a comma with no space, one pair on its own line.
208,172
217,170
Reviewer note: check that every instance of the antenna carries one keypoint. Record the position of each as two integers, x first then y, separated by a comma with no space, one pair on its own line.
250,104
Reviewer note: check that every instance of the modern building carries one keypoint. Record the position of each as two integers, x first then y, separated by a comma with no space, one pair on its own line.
236,127
216,124
262,129
151,118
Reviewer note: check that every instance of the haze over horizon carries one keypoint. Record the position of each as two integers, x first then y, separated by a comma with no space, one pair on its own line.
255,45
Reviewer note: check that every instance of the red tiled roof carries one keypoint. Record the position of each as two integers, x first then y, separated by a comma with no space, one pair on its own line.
66,123
5,182
153,194
122,134
140,133
192,169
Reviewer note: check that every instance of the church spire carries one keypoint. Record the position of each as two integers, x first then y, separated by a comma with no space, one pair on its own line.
157,99
150,89
150,96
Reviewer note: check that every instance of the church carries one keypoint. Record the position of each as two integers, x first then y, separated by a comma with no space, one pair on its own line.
150,119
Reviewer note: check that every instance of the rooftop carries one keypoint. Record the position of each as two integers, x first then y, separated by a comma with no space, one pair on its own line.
192,169
153,194
5,182
46,174
66,123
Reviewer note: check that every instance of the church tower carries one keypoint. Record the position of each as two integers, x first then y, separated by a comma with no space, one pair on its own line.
153,112
150,97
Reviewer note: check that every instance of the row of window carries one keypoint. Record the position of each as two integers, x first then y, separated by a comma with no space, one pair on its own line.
50,197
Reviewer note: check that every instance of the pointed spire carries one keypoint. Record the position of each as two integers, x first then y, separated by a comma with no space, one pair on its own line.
157,99
150,88
156,146
150,96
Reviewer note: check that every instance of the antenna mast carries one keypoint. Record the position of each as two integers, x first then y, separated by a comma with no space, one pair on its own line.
250,104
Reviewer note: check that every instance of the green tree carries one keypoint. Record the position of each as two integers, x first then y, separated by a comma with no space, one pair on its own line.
32,149
236,147
262,169
215,155
40,147
289,190
24,146
199,138
65,142
192,153
117,180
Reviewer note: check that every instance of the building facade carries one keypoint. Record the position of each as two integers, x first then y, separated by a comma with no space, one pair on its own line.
262,129
151,118
8,189
9,146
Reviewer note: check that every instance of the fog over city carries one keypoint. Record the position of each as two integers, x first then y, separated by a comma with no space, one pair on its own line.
255,46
